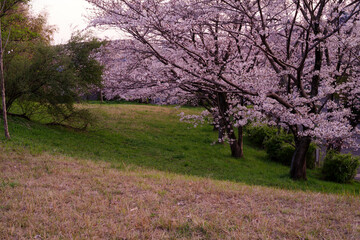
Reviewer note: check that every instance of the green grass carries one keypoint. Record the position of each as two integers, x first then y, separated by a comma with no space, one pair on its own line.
153,137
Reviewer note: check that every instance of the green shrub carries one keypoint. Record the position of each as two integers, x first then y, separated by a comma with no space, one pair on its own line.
278,145
51,79
280,149
258,134
340,168
311,157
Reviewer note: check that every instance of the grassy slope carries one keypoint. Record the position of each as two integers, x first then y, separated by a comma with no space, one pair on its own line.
153,137
55,197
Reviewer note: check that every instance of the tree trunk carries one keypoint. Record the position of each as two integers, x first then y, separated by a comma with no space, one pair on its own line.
236,148
241,140
2,80
221,135
235,145
221,132
101,96
298,163
315,82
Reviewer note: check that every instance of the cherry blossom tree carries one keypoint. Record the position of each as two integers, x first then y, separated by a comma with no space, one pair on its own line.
186,39
132,72
311,53
295,61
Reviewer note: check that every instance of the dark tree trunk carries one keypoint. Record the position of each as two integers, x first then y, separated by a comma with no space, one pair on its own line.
221,135
220,128
298,163
221,132
236,148
235,145
241,140
318,62
101,96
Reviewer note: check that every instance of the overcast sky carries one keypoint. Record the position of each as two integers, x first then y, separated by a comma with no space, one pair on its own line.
67,16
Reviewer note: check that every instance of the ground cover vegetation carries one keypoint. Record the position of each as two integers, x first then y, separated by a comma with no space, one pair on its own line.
162,178
278,144
293,64
340,168
43,196
153,137
44,81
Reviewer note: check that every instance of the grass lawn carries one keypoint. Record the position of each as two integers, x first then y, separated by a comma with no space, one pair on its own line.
152,137
153,177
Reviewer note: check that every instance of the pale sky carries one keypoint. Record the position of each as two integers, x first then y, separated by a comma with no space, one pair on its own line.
67,16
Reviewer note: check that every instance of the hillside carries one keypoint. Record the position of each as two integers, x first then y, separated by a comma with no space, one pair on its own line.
153,137
139,173
64,198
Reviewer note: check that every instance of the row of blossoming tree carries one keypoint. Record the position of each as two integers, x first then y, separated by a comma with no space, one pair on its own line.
293,63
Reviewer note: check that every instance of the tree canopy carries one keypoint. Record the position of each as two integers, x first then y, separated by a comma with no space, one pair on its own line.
285,58
42,77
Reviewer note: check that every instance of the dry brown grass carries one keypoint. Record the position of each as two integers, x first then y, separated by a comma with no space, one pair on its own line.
47,197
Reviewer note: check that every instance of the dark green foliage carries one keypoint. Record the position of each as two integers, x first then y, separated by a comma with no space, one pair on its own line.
8,5
47,79
259,134
280,148
340,168
311,157
21,26
279,145
52,79
88,70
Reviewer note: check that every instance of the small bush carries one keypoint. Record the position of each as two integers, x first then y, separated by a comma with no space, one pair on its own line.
280,149
311,157
278,144
340,168
258,134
